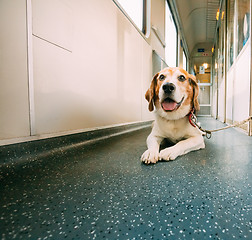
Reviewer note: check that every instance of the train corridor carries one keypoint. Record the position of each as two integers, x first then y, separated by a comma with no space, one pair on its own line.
75,77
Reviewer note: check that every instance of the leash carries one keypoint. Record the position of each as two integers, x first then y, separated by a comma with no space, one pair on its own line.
208,133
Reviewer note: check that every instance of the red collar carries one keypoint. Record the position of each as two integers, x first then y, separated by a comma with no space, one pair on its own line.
190,116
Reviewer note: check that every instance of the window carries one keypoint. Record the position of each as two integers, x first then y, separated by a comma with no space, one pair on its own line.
230,33
136,10
170,38
243,15
238,28
222,42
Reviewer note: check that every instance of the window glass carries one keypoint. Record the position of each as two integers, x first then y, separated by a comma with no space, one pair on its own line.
230,33
170,38
134,9
243,22
222,42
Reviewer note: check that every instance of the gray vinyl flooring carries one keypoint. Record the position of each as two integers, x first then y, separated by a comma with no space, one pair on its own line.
103,191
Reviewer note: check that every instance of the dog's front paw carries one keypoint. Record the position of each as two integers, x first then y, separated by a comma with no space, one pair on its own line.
149,156
169,153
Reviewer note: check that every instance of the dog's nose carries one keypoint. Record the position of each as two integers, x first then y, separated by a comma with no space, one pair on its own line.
169,88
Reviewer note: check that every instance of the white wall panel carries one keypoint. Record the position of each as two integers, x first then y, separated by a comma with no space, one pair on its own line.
91,67
53,21
242,85
214,104
14,104
221,100
100,81
230,89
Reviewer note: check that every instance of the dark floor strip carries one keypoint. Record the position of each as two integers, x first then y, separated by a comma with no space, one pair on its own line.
27,151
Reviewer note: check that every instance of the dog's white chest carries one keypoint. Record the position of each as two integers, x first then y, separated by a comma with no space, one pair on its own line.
174,130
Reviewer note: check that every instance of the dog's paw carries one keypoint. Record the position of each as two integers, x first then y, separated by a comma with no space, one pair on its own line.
169,153
149,156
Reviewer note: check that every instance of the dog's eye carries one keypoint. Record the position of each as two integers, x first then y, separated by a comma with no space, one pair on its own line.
161,77
181,78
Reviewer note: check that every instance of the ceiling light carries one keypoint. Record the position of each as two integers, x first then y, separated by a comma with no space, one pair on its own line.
222,15
218,14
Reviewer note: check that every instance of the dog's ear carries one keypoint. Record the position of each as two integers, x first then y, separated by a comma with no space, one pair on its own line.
150,94
195,102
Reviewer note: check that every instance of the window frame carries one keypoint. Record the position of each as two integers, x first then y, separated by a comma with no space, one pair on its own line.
145,31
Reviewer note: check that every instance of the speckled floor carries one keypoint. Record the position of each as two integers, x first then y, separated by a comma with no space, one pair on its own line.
102,191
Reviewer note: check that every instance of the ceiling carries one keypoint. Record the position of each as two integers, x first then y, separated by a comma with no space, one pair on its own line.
198,20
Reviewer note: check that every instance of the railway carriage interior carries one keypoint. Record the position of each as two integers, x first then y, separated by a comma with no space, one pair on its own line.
74,119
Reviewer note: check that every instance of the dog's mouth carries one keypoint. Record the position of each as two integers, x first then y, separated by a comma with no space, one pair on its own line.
170,105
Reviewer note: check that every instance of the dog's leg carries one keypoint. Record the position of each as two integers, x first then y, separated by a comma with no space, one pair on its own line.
152,153
182,147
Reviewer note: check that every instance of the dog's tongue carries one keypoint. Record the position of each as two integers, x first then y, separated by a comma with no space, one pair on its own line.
169,105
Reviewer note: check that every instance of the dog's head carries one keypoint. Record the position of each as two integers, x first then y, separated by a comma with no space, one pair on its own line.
174,93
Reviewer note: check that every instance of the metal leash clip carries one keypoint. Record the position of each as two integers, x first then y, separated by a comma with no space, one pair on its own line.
194,122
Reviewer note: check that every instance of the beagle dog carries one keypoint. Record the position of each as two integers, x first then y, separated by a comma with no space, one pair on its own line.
174,94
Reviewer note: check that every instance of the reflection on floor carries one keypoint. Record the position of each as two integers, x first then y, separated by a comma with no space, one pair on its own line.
102,191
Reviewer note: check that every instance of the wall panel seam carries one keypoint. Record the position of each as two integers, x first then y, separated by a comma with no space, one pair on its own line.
30,67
